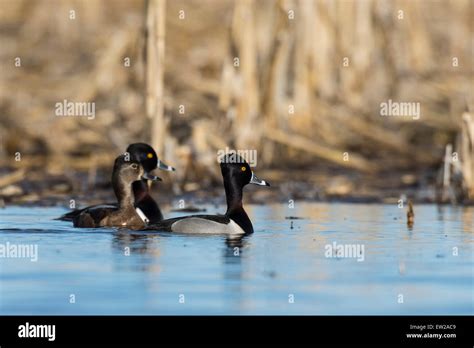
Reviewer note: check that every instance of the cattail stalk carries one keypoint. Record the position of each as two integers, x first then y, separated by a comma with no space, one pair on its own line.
156,17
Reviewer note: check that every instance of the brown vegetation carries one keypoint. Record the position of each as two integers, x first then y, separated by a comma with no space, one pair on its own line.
306,87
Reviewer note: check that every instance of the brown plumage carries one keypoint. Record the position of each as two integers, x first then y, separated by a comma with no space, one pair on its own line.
124,215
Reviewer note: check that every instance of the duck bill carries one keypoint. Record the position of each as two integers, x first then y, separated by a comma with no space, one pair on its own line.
161,165
255,180
148,176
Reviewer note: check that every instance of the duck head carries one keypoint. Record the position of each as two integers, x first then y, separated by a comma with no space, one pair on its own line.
235,169
125,172
144,154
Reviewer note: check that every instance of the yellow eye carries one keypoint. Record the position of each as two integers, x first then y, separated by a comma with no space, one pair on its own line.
243,169
149,155
134,166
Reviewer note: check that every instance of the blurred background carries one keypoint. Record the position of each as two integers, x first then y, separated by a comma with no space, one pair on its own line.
299,81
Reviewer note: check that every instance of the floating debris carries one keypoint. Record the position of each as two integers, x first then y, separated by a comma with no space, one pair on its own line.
270,274
410,215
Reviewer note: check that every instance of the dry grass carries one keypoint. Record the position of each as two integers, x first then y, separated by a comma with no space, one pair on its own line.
284,64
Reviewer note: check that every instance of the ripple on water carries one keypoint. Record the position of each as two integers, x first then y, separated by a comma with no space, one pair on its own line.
129,272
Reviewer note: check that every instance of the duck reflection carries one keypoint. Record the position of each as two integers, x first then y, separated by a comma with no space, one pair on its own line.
129,244
233,271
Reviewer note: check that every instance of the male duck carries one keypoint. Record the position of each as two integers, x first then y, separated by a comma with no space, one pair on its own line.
146,156
125,173
236,174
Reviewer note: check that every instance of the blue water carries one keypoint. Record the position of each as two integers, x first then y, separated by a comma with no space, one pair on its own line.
278,269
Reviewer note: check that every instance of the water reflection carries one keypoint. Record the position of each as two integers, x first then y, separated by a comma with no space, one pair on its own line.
233,271
249,274
136,251
126,242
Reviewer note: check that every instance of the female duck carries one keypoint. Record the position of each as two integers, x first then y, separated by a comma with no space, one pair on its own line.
236,174
125,173
148,208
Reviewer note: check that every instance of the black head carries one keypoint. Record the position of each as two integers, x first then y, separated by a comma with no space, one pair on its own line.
237,170
145,154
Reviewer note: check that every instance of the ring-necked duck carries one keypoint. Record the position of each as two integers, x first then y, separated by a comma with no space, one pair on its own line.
236,174
125,173
147,157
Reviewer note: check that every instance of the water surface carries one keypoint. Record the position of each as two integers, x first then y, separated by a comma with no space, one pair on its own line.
283,268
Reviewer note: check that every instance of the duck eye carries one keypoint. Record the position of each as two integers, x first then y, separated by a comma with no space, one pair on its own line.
134,166
149,155
243,169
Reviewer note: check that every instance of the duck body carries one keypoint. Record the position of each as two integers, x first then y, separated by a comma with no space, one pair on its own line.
75,213
108,217
200,224
147,157
125,173
145,203
236,174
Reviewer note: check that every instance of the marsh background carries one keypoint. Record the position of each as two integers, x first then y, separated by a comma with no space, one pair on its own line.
305,91
310,79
